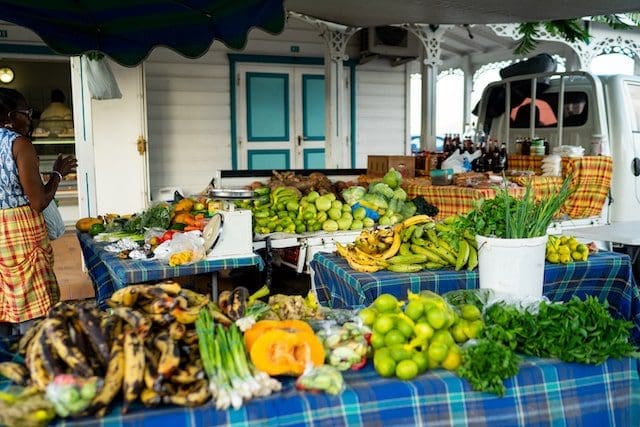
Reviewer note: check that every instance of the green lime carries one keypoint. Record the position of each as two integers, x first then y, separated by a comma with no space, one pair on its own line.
386,303
414,310
394,337
422,361
404,327
470,312
437,317
457,331
385,366
423,330
438,352
377,340
384,324
406,370
398,352
443,336
382,352
368,315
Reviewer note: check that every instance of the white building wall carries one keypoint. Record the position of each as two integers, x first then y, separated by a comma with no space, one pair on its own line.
381,110
188,107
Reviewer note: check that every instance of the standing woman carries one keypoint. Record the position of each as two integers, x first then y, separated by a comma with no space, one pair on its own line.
28,286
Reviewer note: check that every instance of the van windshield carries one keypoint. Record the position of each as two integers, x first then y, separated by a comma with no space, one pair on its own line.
576,111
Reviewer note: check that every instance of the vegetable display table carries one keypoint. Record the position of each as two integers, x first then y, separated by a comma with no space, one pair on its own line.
545,392
606,275
110,273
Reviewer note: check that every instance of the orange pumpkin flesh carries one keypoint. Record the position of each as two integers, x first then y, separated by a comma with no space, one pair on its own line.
284,352
263,326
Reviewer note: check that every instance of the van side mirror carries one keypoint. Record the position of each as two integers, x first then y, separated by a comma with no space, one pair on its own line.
635,166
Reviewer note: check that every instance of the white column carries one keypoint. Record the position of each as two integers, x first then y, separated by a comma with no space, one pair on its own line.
336,153
430,37
467,69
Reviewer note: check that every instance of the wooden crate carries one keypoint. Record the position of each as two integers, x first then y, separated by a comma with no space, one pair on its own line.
380,165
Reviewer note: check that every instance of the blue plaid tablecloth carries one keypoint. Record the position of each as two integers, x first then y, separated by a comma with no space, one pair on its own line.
606,275
545,392
109,273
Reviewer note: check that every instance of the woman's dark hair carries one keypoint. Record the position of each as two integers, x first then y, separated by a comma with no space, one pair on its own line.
57,96
9,101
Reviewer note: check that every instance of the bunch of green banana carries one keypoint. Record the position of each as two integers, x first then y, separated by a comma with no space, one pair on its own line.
280,196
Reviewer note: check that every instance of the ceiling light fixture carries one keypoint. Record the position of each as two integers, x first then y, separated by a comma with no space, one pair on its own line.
6,75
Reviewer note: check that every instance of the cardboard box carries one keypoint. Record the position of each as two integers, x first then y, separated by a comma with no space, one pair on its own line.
380,165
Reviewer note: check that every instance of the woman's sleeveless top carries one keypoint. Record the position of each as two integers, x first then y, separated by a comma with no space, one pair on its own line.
11,193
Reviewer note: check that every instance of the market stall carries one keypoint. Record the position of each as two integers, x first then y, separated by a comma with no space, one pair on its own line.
110,273
544,392
606,275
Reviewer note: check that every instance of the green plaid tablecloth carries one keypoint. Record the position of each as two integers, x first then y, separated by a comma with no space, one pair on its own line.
545,392
109,273
606,275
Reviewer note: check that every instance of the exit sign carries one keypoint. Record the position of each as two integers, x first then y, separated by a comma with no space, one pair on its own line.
295,49
3,34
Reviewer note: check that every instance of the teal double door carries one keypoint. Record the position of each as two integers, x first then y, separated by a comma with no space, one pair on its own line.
280,117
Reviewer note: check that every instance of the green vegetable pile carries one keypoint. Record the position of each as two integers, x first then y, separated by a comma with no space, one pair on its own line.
509,217
487,364
576,331
158,216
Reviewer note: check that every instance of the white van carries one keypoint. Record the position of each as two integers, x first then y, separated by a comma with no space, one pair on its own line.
599,113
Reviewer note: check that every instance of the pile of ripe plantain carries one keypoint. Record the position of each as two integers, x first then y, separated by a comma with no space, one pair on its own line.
146,347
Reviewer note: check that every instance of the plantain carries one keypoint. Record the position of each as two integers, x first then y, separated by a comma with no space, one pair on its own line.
431,255
404,268
161,305
161,319
124,297
177,330
112,380
224,299
434,265
47,358
463,254
28,336
408,259
150,398
137,320
169,354
432,236
194,298
416,219
134,359
407,232
418,231
405,249
170,287
15,372
363,268
186,316
188,375
395,246
196,394
61,343
90,325
40,377
473,258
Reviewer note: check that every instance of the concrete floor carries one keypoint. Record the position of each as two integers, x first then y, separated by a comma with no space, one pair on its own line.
74,283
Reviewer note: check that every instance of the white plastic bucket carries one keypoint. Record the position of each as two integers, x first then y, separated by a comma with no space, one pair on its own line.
513,266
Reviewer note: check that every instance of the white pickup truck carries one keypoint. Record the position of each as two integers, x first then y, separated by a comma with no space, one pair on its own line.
599,113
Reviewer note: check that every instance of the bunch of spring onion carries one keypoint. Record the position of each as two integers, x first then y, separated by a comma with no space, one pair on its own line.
232,377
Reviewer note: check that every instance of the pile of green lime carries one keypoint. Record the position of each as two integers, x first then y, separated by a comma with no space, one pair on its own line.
422,334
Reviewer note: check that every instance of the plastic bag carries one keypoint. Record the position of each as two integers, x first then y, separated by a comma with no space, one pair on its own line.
321,378
346,346
53,220
183,248
71,395
100,79
455,161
